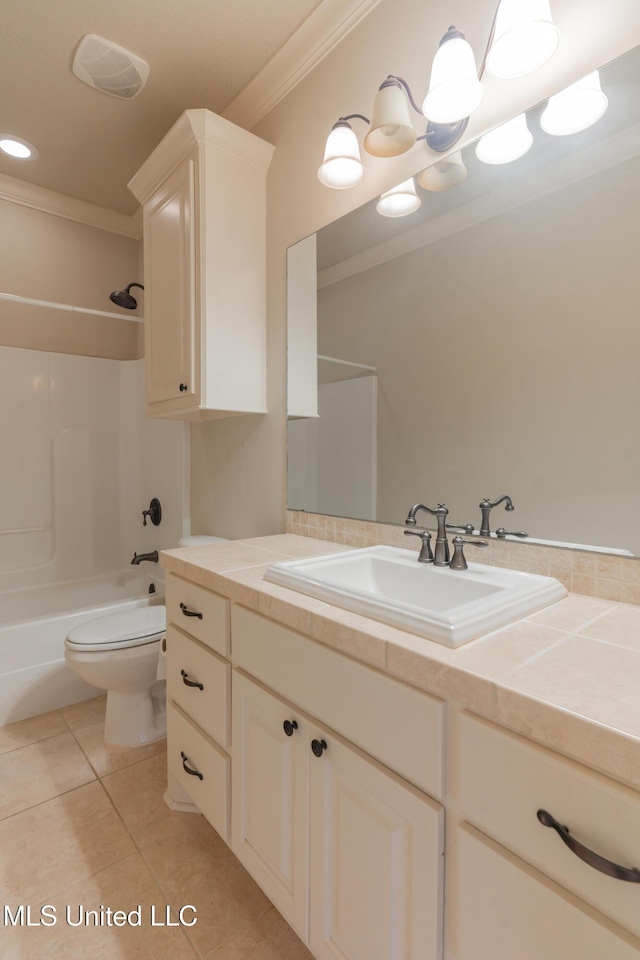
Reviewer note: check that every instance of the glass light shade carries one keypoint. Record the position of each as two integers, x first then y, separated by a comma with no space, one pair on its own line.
454,90
341,167
391,131
525,38
506,143
399,201
576,108
16,147
444,174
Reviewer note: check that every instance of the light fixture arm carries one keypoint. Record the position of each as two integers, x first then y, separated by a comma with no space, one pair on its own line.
344,121
393,81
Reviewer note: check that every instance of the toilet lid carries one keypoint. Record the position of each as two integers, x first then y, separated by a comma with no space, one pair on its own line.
127,628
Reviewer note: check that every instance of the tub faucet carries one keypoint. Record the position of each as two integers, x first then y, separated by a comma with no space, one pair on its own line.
486,506
139,557
441,558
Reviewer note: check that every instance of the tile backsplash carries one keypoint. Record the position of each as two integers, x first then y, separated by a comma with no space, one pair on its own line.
592,574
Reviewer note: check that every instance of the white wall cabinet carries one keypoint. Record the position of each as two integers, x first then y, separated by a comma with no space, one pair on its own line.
316,823
203,191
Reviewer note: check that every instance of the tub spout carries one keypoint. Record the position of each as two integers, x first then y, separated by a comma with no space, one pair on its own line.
139,557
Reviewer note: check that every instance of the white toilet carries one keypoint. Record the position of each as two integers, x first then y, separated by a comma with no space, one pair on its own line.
120,653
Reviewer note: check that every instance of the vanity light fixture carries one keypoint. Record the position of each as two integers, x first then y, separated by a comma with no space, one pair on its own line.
523,37
400,201
17,147
390,129
506,143
342,167
444,174
575,108
455,91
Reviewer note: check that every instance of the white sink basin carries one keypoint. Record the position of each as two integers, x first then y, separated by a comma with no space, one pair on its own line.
388,584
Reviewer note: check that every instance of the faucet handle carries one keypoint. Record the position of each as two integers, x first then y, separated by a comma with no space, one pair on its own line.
459,561
467,527
426,553
501,533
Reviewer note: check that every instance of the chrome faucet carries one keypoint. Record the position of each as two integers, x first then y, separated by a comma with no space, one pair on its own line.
486,506
442,557
139,557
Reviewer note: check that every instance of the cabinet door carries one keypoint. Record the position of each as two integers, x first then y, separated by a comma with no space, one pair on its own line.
169,251
270,797
507,911
376,860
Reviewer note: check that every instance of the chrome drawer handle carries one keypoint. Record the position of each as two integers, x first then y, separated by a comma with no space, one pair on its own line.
190,683
192,773
189,613
630,874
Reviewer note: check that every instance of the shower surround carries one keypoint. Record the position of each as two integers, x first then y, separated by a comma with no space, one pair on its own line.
78,464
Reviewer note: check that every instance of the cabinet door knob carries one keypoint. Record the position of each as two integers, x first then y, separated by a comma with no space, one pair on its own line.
289,726
318,747
630,874
192,773
183,387
190,683
189,613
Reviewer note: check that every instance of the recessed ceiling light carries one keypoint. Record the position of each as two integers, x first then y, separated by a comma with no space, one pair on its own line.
17,147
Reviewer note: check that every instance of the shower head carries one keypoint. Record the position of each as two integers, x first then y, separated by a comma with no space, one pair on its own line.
122,298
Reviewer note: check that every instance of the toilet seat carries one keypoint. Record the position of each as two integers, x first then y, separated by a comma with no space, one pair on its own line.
119,631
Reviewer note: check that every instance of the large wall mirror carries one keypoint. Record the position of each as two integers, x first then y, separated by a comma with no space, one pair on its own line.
486,344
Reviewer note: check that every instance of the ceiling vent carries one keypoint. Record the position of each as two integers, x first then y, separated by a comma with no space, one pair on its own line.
110,68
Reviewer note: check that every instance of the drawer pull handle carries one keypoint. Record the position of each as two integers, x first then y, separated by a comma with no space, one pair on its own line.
289,726
192,773
190,683
630,874
318,747
189,613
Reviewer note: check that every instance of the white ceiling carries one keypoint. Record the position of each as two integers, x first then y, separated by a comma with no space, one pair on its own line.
201,53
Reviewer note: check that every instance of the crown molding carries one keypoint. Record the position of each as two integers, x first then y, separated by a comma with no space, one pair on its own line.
60,205
563,173
320,33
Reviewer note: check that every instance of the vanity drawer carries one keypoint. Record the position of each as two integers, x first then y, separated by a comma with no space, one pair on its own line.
507,911
398,725
198,612
211,793
505,780
188,663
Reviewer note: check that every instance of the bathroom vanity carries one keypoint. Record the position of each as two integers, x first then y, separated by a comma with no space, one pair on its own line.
387,793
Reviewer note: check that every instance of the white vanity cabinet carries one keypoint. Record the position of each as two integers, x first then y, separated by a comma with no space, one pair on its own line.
328,778
270,806
203,191
524,885
349,853
506,911
199,701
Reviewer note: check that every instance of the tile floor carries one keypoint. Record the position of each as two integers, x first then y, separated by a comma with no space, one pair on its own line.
84,824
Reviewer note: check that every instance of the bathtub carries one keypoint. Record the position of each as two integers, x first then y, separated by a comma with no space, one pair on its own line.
34,677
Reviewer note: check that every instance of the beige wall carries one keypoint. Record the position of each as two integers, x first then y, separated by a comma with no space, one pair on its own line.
51,258
507,362
239,465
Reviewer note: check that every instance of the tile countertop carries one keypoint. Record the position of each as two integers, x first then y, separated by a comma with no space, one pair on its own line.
567,676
